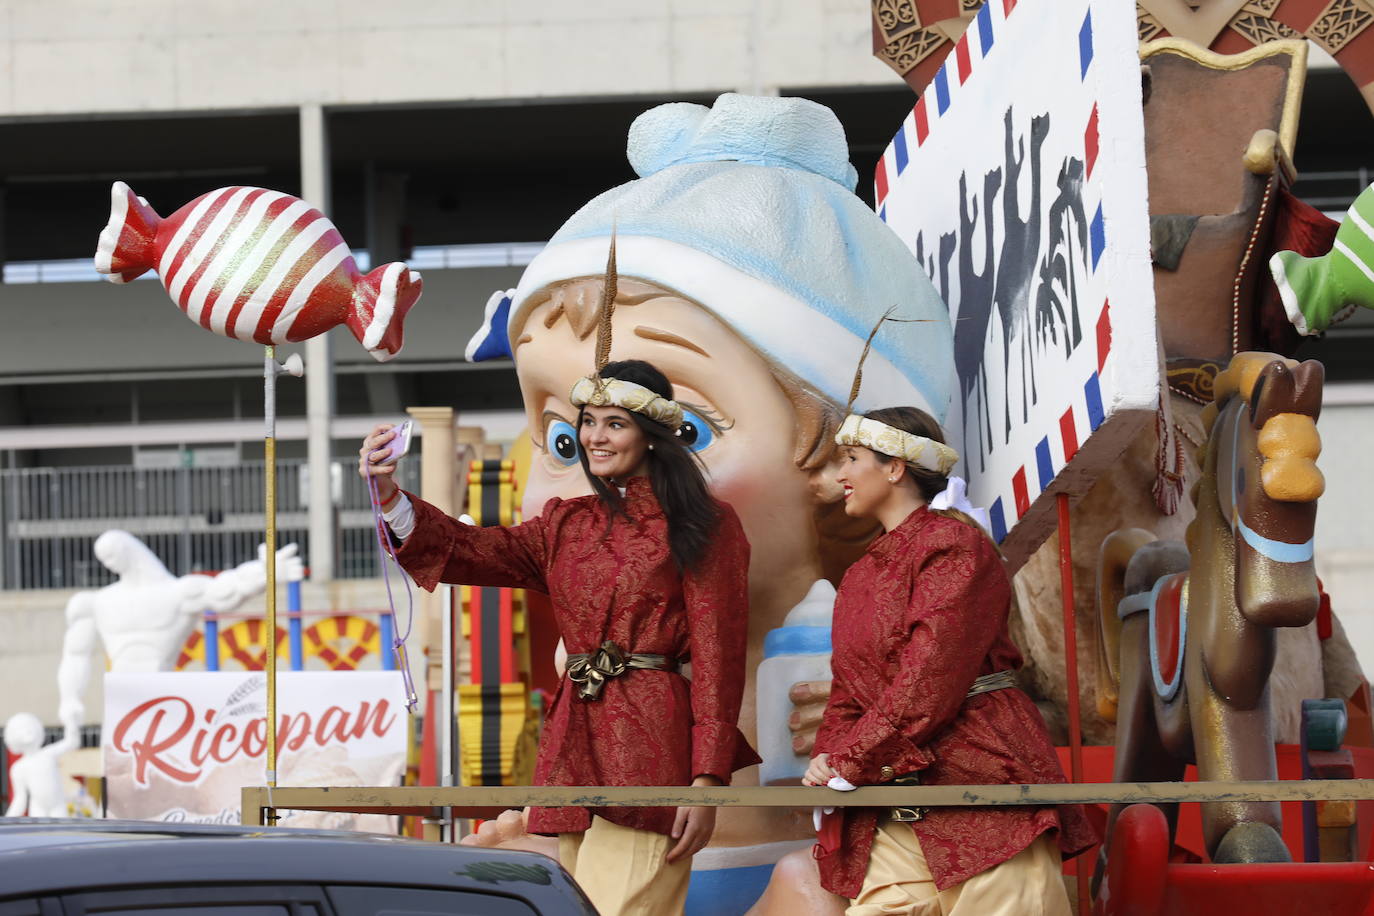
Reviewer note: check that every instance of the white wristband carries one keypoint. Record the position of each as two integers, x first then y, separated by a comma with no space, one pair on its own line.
401,517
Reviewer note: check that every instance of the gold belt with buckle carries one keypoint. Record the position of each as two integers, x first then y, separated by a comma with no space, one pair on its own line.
987,683
591,670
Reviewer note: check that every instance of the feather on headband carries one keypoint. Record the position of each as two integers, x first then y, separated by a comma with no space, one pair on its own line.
888,440
602,392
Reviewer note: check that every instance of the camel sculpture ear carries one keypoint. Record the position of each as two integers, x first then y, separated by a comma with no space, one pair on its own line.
1308,379
1272,393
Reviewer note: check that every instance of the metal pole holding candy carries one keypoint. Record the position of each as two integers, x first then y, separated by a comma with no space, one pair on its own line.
271,369
258,265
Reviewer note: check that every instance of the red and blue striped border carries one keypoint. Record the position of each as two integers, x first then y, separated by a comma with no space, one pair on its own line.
916,129
974,45
1046,468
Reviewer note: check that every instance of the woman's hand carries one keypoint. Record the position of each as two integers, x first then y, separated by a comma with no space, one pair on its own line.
819,772
694,825
373,461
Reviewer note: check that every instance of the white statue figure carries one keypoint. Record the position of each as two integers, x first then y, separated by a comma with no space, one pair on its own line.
143,619
36,779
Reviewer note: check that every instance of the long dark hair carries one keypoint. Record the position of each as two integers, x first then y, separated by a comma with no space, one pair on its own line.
675,473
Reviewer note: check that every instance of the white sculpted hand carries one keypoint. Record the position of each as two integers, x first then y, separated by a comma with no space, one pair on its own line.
809,699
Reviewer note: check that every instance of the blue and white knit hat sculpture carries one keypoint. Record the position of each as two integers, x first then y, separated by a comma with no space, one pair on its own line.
747,207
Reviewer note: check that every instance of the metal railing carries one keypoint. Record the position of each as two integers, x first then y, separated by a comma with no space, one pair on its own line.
194,518
260,803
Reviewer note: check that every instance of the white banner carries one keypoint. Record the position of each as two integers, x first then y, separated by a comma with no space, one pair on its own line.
1019,182
178,746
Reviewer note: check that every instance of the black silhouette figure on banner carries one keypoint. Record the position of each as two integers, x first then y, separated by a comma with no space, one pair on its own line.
1016,277
1016,265
941,268
1058,267
975,311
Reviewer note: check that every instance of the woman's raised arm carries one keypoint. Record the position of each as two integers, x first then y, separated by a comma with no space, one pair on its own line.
438,548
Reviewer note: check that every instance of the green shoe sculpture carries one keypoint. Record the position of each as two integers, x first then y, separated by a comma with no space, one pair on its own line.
1318,292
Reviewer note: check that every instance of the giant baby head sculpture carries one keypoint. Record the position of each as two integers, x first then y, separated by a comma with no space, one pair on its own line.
750,273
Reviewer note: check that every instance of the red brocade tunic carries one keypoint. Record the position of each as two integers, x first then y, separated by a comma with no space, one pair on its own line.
918,618
648,727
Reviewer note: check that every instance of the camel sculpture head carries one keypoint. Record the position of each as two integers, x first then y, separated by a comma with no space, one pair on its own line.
1262,447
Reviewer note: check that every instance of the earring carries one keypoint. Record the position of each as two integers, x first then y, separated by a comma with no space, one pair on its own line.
651,446
892,480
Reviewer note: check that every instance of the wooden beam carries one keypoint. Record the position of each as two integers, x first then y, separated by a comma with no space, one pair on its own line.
258,801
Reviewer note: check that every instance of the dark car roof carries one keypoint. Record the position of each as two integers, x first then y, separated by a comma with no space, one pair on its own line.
42,856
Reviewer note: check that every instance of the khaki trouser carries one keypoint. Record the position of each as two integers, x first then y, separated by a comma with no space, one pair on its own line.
623,870
898,882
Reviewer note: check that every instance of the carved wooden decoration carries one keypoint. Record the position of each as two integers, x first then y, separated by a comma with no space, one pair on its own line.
914,36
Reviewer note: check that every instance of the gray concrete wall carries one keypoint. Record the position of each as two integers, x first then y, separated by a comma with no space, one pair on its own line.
33,624
75,56
1345,515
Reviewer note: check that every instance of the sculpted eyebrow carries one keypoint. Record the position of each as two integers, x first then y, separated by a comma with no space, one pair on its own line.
668,337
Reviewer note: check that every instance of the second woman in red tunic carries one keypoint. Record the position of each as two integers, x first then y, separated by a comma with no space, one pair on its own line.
923,692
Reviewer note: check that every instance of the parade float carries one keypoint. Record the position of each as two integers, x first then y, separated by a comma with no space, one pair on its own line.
1081,228
1219,106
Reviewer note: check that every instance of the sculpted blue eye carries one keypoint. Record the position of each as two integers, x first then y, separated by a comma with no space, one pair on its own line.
560,440
696,433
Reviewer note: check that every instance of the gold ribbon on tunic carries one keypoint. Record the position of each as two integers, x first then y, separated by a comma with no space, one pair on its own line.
590,670
998,680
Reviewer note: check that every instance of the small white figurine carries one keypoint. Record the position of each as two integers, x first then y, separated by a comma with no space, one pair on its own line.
36,778
144,618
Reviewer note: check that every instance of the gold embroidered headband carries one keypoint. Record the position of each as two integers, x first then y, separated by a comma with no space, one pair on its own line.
888,440
613,392
897,443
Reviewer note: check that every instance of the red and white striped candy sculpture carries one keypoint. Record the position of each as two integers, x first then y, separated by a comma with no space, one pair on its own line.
257,265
